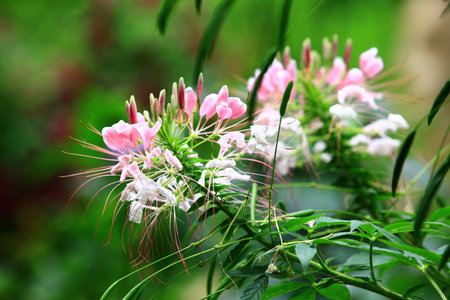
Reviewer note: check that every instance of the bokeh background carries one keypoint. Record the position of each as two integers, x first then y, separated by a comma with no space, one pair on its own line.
62,62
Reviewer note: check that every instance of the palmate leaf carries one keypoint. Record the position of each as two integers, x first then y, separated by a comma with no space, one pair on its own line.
283,288
400,161
164,12
211,32
335,292
305,252
255,290
443,94
430,192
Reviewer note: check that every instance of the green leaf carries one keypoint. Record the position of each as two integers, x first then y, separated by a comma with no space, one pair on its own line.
440,213
264,67
198,6
255,290
163,14
286,97
305,252
427,254
211,32
209,279
400,161
283,23
197,204
283,288
414,289
399,227
306,294
439,101
445,257
430,192
336,292
297,223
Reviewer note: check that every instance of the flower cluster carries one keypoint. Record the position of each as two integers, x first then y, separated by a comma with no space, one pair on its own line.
333,110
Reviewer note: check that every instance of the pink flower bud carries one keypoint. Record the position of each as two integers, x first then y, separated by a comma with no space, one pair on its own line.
334,46
190,101
336,72
307,53
181,93
199,85
131,109
348,52
161,101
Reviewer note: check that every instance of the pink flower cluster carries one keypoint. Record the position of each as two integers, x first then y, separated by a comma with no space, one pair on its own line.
223,105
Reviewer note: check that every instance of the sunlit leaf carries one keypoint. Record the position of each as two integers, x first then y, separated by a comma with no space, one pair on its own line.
445,257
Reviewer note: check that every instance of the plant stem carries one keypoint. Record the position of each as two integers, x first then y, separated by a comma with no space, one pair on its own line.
434,284
372,271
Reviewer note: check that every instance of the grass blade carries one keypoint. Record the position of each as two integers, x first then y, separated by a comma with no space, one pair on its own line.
443,94
264,67
166,9
430,192
284,23
400,161
211,32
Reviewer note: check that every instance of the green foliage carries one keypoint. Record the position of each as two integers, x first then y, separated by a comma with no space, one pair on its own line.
255,290
443,94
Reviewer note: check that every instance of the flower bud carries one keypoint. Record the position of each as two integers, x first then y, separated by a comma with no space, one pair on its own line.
153,104
334,46
199,88
348,52
326,48
306,53
181,93
161,101
131,110
286,56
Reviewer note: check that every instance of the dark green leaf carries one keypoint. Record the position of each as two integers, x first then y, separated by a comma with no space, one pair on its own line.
283,288
400,161
264,67
198,6
443,94
286,97
430,192
236,254
211,32
305,252
209,279
445,257
255,290
197,204
283,23
163,15
306,294
336,292
415,289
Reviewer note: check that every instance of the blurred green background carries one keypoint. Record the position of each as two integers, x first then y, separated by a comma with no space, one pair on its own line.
62,62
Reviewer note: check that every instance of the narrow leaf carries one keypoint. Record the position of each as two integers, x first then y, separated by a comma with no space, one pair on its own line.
209,279
445,257
305,253
286,97
166,9
400,161
255,290
335,292
284,23
211,32
414,289
443,94
430,192
264,67
198,6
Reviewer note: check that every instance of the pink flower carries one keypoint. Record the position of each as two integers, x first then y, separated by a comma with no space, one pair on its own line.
128,170
190,101
172,159
369,63
227,139
208,107
335,74
123,136
226,107
275,80
354,76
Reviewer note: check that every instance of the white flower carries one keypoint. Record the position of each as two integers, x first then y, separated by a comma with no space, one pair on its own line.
380,127
398,120
290,124
343,111
136,211
259,133
382,146
319,146
326,157
221,163
359,139
225,176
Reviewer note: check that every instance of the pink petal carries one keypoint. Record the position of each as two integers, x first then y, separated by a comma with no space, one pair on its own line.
237,107
223,111
336,72
223,95
208,106
190,101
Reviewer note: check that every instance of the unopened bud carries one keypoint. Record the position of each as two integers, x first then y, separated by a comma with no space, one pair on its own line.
131,109
348,52
147,116
290,272
161,101
174,91
286,56
153,105
199,88
334,46
181,93
173,103
306,53
314,59
326,48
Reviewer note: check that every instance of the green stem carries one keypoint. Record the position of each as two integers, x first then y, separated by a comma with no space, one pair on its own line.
434,284
372,271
